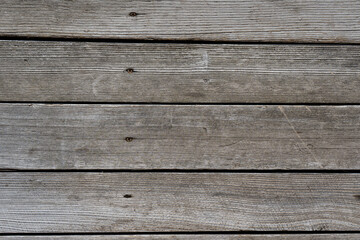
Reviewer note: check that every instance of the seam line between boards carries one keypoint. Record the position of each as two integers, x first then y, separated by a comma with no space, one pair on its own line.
164,41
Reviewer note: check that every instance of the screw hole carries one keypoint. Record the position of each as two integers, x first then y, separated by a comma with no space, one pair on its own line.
127,196
129,139
129,70
133,14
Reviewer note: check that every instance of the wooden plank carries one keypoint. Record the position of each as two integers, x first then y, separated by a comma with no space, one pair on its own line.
197,236
227,73
231,20
56,202
82,136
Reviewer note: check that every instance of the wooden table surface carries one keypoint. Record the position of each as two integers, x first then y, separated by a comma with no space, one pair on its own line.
180,119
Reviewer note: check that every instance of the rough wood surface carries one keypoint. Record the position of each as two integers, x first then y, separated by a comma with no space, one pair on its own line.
233,20
227,73
197,236
82,136
129,202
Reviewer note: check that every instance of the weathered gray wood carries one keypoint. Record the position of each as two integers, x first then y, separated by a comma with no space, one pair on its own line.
233,20
201,237
96,72
128,202
81,136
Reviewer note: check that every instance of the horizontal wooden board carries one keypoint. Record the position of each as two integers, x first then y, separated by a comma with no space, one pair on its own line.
129,202
82,136
197,236
169,73
230,20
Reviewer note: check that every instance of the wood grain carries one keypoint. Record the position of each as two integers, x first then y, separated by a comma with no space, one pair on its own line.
128,202
169,73
83,136
230,20
197,236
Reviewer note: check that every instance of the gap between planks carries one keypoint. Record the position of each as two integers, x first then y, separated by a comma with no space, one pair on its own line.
157,236
167,41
